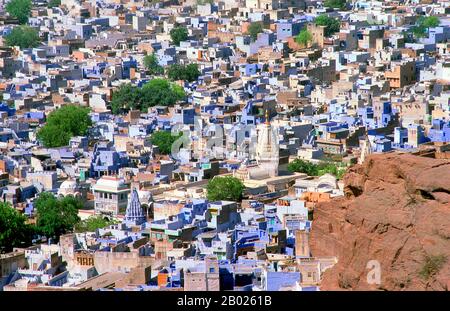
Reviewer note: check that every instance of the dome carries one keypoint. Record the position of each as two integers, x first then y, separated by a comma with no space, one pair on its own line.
68,186
145,196
242,172
327,182
110,183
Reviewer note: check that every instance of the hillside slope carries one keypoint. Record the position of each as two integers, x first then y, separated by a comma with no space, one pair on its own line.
396,210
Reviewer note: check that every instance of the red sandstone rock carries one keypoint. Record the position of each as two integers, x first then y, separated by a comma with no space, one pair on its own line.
396,210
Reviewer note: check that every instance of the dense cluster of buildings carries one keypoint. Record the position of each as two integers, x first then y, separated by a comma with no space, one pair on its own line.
256,106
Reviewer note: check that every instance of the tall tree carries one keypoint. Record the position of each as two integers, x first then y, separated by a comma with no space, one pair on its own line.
332,25
64,123
164,140
20,9
178,34
56,216
23,36
160,92
181,72
423,24
155,92
14,232
225,188
304,37
125,98
429,21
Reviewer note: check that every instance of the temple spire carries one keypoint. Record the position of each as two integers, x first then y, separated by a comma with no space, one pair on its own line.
134,214
267,149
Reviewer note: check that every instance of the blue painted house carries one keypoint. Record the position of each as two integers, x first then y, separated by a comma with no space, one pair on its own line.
286,29
94,71
440,131
107,162
9,110
275,280
127,65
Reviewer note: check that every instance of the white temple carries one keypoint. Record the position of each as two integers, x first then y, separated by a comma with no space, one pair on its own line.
267,152
134,214
267,155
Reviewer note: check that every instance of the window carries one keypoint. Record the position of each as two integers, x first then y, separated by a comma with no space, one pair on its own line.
211,270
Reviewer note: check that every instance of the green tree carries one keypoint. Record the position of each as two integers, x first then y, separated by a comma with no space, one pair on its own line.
56,216
407,37
336,4
181,72
14,232
93,223
23,36
64,123
312,169
53,3
126,97
52,136
429,21
175,72
254,29
152,65
304,37
332,25
164,140
178,34
160,92
155,92
302,166
419,31
225,188
191,72
19,9
423,24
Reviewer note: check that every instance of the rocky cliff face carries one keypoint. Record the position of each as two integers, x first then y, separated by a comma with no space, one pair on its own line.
396,210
